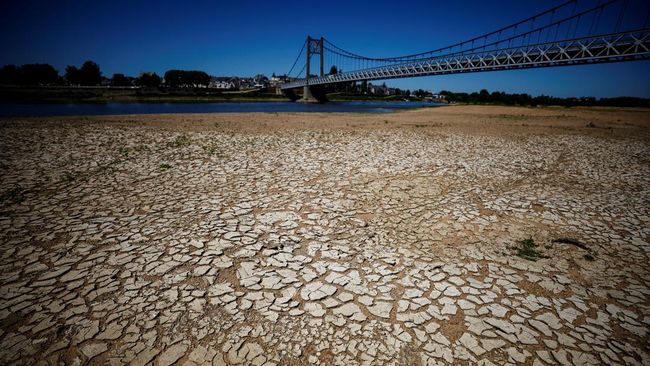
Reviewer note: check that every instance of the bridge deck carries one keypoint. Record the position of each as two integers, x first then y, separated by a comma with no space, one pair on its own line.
626,46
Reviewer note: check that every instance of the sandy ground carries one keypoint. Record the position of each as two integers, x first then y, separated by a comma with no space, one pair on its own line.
453,235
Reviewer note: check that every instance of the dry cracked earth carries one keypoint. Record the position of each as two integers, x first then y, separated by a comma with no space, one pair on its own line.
455,235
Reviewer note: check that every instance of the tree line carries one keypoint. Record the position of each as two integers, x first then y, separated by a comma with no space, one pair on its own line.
485,97
89,74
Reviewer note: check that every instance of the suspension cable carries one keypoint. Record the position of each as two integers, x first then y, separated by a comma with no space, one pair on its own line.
297,58
514,25
402,58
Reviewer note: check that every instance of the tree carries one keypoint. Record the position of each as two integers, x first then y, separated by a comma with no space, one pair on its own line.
149,79
9,75
38,74
73,75
483,96
183,78
420,93
90,74
120,80
333,70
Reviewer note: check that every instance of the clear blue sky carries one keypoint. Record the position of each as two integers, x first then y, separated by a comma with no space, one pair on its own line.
244,38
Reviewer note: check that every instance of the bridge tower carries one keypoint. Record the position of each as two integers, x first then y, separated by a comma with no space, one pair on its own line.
314,46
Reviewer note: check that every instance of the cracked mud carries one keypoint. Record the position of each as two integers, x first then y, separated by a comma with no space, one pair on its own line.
262,239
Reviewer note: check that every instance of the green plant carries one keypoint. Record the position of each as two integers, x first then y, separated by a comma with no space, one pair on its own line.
165,166
211,149
68,177
589,257
124,151
527,249
179,141
141,148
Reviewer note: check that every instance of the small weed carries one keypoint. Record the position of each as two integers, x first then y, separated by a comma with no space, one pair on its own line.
589,257
420,126
15,195
591,125
124,151
179,141
140,148
68,177
512,116
165,166
386,121
211,149
526,249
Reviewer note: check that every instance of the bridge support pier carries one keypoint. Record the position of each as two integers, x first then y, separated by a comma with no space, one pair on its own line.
307,96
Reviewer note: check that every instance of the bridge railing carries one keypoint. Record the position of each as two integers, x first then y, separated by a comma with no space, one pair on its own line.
622,46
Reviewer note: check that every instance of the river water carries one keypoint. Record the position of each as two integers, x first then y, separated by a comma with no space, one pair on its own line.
83,109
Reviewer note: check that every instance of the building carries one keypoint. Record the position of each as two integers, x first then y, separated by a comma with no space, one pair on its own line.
378,89
224,83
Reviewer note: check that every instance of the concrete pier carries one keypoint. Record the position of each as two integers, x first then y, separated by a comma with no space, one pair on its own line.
307,96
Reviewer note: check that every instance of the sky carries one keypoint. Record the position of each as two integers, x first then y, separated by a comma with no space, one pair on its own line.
245,38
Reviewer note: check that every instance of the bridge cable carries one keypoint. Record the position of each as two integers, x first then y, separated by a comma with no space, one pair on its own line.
297,58
514,25
595,20
351,55
620,16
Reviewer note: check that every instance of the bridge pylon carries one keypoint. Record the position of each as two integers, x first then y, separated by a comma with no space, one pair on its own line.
314,46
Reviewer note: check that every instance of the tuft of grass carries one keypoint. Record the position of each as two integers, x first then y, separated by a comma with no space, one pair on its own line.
589,257
68,177
124,151
591,125
141,148
16,194
212,149
165,166
526,248
179,141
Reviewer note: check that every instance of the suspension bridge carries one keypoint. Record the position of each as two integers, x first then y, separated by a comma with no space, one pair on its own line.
576,32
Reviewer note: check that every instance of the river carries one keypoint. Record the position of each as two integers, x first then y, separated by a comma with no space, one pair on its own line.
83,109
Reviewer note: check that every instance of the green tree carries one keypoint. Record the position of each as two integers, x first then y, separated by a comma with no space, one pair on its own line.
73,75
90,73
38,74
149,79
333,70
483,96
120,80
185,79
9,75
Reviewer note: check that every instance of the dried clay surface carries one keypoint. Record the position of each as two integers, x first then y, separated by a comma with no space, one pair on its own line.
453,235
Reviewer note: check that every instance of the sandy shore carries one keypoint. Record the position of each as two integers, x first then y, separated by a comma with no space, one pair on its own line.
453,235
